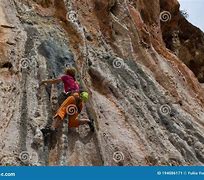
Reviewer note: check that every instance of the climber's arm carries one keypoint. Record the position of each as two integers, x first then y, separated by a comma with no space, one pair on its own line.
50,81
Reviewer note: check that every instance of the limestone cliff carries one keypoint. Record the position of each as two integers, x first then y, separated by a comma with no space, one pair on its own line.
139,59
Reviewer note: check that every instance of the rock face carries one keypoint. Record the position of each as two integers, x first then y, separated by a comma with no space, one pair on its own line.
184,39
147,105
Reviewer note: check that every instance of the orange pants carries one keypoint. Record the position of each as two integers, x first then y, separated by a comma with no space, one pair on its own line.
69,108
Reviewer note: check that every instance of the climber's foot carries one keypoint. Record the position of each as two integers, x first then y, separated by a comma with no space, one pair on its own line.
47,131
50,137
91,125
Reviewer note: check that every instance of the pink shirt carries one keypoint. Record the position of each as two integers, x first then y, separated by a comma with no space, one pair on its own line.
69,83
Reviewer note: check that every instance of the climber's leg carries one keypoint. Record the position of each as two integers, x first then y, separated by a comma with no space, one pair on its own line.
87,121
57,122
74,122
62,112
84,121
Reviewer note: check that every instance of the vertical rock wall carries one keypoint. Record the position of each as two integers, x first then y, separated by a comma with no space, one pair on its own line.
146,103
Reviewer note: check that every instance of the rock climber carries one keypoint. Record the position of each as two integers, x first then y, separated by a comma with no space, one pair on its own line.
68,79
73,100
72,107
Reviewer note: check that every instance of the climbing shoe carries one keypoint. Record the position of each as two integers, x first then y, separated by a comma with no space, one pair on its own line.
91,125
50,137
47,131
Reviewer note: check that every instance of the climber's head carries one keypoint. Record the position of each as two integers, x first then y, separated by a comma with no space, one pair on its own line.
71,71
84,96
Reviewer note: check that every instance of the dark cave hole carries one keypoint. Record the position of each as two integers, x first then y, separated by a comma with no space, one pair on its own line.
7,65
114,8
